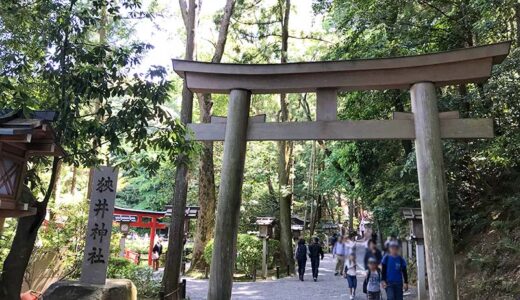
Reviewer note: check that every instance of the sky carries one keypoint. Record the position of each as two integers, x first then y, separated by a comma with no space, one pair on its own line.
166,33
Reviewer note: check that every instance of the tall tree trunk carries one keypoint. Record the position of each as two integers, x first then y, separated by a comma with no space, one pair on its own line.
316,215
284,153
517,22
172,270
207,196
73,180
339,204
12,276
351,207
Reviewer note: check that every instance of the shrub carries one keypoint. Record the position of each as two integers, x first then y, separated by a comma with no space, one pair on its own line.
249,252
208,251
273,252
141,276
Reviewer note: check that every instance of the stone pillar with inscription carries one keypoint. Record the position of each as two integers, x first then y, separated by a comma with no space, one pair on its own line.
93,283
102,191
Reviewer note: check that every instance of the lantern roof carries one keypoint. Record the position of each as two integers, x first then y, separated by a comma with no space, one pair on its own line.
295,219
329,225
296,227
191,212
28,134
265,220
411,213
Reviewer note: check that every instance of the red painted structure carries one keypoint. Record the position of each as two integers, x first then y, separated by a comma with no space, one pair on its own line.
141,219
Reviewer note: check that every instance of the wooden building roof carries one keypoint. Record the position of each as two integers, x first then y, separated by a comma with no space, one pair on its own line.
26,136
22,135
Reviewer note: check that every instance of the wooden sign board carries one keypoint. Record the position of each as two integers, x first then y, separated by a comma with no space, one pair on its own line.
102,191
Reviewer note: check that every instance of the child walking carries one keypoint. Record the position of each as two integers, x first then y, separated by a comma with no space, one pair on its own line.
372,283
350,274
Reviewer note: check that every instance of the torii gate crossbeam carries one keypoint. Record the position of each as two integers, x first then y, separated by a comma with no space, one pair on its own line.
421,74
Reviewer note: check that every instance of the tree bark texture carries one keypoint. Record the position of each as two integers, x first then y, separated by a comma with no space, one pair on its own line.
230,197
285,153
172,270
434,197
207,198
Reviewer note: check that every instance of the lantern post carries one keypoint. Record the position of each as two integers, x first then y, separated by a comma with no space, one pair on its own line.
414,218
265,231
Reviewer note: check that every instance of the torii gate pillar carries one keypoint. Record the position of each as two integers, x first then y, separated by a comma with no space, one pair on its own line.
434,197
230,196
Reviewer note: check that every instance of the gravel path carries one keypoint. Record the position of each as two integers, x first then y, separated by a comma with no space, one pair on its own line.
327,287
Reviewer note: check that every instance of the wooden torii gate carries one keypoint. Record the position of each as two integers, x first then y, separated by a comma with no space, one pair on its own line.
421,74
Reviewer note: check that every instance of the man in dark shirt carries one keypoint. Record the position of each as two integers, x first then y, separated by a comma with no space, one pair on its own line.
394,273
315,251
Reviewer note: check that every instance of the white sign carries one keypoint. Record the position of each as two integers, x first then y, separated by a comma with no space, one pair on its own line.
102,191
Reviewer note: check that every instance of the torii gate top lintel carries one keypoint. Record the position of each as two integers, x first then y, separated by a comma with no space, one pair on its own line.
442,68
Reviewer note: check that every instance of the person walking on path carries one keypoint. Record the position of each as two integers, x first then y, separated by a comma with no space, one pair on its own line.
156,254
372,283
372,252
315,253
351,274
332,241
394,273
350,246
301,257
338,252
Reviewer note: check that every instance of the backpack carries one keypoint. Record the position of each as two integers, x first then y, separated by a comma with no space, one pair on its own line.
301,252
365,282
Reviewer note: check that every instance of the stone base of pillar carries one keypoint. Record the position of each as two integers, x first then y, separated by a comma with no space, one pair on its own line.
113,289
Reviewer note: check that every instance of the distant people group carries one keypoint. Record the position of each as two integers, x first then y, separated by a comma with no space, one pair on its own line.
315,253
388,271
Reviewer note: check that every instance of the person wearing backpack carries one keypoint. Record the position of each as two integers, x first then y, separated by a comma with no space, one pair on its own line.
301,257
315,252
372,283
394,276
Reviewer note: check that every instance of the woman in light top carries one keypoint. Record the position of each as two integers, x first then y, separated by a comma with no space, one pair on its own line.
350,274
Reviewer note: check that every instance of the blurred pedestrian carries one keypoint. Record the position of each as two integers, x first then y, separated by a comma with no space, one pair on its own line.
156,254
372,283
338,252
351,274
315,253
372,252
301,257
394,273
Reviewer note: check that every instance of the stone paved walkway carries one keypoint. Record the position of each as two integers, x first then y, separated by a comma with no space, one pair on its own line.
327,287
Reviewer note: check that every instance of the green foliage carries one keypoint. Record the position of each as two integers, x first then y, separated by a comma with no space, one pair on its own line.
6,238
208,252
52,60
273,250
141,276
249,252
